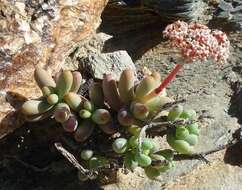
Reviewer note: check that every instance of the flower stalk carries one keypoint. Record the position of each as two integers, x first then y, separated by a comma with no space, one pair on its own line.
169,78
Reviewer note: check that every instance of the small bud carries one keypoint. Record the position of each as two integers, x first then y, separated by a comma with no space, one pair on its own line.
193,128
147,144
125,118
139,110
77,80
120,145
133,142
134,130
62,112
88,105
52,99
181,132
86,154
180,146
73,100
175,113
71,124
84,131
143,160
85,114
101,116
188,114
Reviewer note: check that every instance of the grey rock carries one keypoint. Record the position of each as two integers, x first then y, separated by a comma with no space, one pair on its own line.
105,63
172,10
229,14
231,77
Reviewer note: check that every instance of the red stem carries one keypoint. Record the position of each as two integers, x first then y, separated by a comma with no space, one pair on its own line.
169,78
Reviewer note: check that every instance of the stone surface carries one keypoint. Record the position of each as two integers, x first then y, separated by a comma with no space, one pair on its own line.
39,32
114,63
173,10
216,176
228,15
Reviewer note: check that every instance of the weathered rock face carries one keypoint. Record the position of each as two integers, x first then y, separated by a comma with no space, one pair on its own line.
39,32
115,63
172,10
228,15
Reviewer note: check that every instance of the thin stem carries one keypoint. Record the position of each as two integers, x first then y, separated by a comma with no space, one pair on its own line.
169,78
70,157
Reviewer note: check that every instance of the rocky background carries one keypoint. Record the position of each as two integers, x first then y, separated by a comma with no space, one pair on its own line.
97,36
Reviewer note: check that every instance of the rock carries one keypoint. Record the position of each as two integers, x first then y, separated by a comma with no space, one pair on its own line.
40,32
207,177
215,177
228,15
115,63
94,45
172,10
231,77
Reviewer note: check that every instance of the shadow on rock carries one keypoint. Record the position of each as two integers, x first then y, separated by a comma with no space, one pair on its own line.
235,109
135,30
233,154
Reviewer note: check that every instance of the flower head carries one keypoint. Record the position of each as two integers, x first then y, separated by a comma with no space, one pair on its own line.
197,41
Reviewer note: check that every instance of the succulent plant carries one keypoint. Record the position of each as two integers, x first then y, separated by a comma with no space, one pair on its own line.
121,112
101,116
62,112
183,138
126,86
175,113
77,81
120,145
73,100
108,128
125,118
143,160
97,162
70,125
84,131
130,161
35,107
52,103
43,78
96,94
121,107
86,154
111,93
64,83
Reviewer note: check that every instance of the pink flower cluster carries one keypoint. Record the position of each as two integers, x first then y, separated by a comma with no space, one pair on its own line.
197,41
